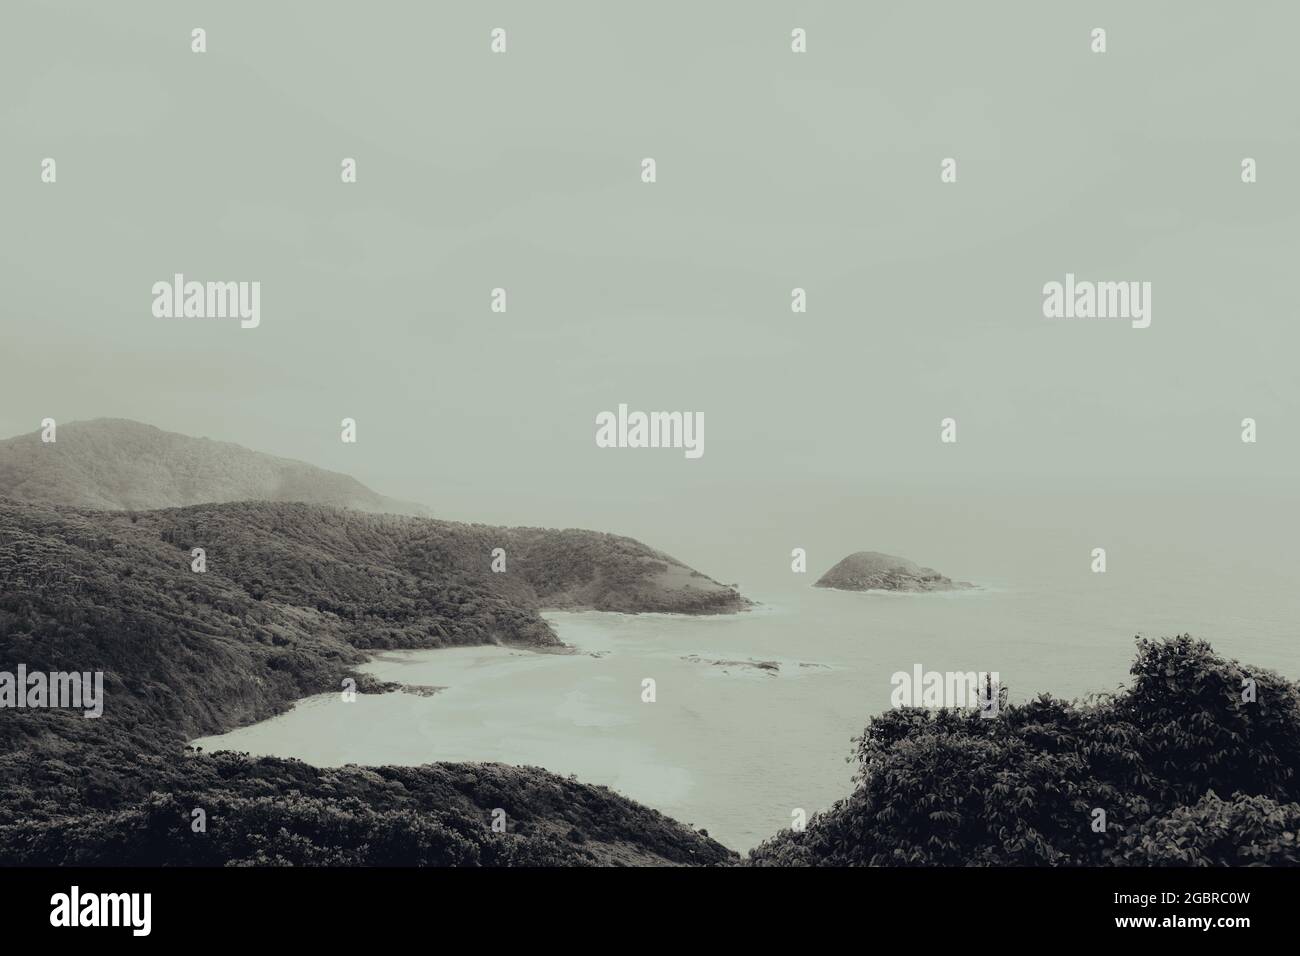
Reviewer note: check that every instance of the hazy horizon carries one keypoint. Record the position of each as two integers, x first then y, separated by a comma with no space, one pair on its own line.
775,171
1230,565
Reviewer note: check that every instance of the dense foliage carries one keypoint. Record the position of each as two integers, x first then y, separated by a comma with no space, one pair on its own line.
269,811
292,597
1185,768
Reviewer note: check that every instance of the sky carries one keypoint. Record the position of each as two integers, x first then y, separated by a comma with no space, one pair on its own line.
775,170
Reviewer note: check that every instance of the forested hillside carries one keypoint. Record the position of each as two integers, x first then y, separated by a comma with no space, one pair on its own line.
292,597
292,592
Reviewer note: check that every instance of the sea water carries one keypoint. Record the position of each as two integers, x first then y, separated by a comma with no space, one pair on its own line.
753,713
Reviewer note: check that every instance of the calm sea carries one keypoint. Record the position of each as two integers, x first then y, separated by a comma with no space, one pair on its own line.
736,749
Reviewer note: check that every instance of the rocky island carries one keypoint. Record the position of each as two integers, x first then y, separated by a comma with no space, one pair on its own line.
873,571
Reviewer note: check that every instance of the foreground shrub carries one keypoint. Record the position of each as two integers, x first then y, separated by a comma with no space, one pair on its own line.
947,787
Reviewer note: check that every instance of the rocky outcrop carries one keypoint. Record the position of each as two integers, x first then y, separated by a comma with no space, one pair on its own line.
873,571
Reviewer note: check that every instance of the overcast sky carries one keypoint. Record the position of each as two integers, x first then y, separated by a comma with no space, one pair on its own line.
775,170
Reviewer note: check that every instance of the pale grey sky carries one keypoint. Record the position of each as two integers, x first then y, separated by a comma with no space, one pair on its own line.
775,170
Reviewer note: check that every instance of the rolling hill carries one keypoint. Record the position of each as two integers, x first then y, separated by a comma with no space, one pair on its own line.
116,464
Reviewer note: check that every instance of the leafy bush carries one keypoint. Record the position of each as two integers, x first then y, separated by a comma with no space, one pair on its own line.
950,788
1243,831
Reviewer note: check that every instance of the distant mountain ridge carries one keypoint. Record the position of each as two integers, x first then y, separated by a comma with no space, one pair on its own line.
116,464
